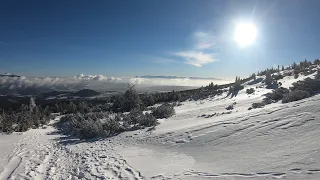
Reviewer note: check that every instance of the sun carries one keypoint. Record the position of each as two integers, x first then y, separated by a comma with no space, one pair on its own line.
245,34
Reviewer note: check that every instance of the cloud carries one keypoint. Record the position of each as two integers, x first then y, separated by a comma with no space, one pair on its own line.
25,85
52,83
196,58
95,77
204,40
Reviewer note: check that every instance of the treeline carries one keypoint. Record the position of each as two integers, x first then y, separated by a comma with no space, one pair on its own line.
299,90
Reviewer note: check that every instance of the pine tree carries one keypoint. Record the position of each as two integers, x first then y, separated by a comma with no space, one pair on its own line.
32,104
294,65
254,77
268,80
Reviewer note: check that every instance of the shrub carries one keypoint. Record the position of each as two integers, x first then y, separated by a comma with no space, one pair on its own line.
147,120
267,101
277,94
295,96
230,107
277,77
163,111
257,105
85,126
310,85
250,91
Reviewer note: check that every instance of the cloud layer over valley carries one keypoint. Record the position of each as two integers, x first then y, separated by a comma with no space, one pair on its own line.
17,84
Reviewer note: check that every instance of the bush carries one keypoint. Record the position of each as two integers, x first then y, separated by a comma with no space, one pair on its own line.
295,96
257,105
277,77
147,120
250,91
277,94
230,107
267,101
310,85
87,125
163,111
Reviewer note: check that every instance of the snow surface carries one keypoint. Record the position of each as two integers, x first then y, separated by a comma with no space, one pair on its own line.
202,141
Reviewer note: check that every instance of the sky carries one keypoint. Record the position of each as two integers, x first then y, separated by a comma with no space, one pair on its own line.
171,38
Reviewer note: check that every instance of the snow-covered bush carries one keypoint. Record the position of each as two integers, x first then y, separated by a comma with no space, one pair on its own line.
257,105
82,125
277,94
90,125
277,77
147,120
295,96
230,107
163,111
310,85
250,91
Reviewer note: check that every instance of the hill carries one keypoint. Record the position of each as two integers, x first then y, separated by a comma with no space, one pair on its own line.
86,93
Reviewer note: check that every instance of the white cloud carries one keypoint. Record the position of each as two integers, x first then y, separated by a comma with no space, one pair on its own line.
76,82
94,77
196,58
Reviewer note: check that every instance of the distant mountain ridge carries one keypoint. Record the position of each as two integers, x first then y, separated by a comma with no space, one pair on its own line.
176,77
9,75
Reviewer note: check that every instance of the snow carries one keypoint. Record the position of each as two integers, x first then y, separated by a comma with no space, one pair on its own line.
203,140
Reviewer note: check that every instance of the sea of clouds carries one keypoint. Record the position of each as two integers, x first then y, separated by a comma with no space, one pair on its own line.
97,82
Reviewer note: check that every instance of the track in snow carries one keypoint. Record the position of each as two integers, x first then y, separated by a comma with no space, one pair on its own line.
40,156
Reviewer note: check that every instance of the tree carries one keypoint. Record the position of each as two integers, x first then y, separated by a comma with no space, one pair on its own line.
72,108
254,77
318,75
131,99
294,65
269,79
32,104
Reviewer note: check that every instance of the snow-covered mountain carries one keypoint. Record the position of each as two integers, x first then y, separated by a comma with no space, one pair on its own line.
203,140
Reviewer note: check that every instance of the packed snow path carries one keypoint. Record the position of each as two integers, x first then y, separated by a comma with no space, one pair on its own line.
41,155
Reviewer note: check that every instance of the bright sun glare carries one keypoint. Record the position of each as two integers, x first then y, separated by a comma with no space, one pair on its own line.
245,34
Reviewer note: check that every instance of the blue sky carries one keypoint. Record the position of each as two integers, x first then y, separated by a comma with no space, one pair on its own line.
134,38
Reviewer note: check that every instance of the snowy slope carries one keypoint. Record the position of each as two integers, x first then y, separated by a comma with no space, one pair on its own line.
203,140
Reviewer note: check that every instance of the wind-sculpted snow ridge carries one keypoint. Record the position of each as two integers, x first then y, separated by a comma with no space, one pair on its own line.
277,142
